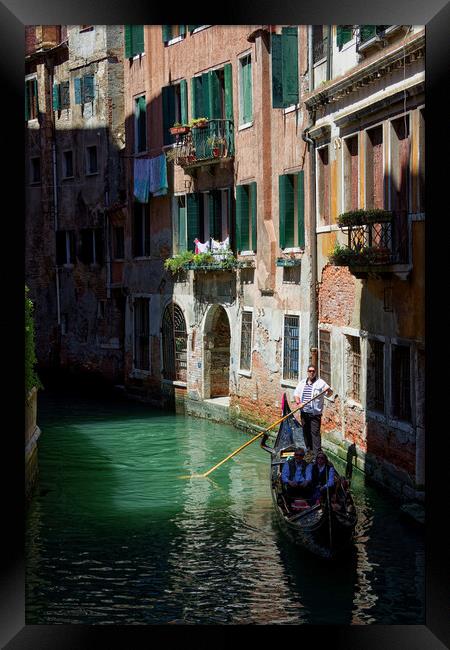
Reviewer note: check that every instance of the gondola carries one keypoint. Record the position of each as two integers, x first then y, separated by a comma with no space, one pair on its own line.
325,528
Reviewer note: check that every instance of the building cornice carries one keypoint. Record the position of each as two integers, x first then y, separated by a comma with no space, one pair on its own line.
364,75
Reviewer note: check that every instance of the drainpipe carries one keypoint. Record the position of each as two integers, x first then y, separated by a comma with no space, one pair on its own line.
313,320
55,194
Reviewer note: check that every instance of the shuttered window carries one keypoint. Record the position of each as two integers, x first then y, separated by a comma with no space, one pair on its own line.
134,40
84,89
65,247
344,34
140,124
31,99
91,246
401,382
285,82
169,32
175,108
292,210
193,226
141,231
212,94
246,217
180,215
246,92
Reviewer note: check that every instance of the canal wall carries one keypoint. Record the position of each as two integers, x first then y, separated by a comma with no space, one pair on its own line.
32,433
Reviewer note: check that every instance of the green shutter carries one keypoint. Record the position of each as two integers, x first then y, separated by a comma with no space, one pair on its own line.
277,72
192,27
35,86
138,39
128,48
64,94
182,30
239,192
228,82
286,210
78,90
88,88
166,33
205,94
56,102
181,227
193,220
184,101
344,34
254,213
301,208
27,105
367,32
289,54
242,218
142,124
197,97
214,103
214,214
168,98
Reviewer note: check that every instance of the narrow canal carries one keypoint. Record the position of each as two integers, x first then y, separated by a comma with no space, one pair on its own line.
115,536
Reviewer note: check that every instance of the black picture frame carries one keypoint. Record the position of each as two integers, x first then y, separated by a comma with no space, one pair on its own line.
14,15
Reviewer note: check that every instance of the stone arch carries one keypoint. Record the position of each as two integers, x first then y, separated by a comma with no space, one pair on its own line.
216,341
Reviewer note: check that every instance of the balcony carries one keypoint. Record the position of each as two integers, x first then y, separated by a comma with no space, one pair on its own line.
206,142
378,243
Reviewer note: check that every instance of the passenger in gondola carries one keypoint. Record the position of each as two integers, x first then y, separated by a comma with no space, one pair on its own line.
322,478
296,475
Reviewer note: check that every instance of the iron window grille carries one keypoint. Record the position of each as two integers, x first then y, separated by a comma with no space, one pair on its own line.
355,368
401,383
324,356
174,343
246,340
375,376
291,347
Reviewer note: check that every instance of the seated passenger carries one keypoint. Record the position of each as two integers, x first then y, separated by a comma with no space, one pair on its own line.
296,475
322,477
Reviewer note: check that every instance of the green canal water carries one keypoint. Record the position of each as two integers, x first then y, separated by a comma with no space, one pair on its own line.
115,536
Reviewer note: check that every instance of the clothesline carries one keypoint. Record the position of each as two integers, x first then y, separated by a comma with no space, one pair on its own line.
218,248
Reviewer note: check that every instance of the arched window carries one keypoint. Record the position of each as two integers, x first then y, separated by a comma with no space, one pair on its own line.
174,341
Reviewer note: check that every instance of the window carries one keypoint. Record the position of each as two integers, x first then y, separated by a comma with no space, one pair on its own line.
285,84
353,368
246,217
65,247
212,94
400,155
174,344
67,164
141,231
64,324
323,186
134,40
401,383
61,96
140,125
374,168
194,27
91,246
245,90
86,28
246,340
291,347
35,170
291,274
172,32
350,188
368,32
208,215
101,309
324,356
175,108
141,334
292,210
344,34
375,376
118,243
84,89
91,160
31,99
320,42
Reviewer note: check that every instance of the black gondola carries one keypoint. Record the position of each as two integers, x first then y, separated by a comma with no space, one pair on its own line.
325,528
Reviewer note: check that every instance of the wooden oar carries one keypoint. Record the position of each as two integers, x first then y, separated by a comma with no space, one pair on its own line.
249,442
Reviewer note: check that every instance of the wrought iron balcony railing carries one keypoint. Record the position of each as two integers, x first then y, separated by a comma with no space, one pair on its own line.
213,141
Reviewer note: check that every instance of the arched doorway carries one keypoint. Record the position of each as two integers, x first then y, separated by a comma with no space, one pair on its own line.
174,344
217,338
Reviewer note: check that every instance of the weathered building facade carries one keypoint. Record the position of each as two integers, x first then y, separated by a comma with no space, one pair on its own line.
367,119
74,188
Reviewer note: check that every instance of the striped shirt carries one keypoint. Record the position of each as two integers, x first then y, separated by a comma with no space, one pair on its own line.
306,395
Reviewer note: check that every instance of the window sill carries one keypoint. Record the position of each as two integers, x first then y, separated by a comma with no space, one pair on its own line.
142,258
174,382
291,109
140,154
172,41
247,253
137,56
245,373
92,173
320,61
244,127
289,384
200,29
69,178
294,249
331,228
36,183
139,374
118,259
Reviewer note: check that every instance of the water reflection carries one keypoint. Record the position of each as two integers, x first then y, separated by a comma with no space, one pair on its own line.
114,536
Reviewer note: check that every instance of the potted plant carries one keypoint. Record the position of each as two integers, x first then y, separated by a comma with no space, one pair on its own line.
179,129
199,123
217,145
363,217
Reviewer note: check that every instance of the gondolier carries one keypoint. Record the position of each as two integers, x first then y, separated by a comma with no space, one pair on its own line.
311,415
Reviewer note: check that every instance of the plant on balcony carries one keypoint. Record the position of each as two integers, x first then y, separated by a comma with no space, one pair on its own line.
179,129
198,122
363,217
190,260
217,144
342,255
173,153
364,256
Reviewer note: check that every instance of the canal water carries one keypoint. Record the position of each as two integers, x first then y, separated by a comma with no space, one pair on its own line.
115,536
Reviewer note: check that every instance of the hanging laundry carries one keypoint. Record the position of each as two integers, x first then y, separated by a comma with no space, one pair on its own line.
221,248
141,179
158,176
201,248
